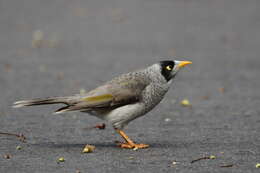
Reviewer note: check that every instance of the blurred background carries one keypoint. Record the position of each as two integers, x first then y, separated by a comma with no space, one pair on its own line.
63,47
88,41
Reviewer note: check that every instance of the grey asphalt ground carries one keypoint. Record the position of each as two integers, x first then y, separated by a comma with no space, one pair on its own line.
55,47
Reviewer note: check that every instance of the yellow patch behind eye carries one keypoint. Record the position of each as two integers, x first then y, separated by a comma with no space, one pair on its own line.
169,67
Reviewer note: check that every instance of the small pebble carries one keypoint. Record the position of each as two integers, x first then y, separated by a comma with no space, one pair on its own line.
212,157
18,147
167,120
174,163
7,156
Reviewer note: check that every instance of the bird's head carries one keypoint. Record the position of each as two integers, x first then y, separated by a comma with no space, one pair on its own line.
170,68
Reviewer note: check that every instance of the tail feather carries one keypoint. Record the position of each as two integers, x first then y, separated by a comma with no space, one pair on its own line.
70,108
34,102
62,110
70,102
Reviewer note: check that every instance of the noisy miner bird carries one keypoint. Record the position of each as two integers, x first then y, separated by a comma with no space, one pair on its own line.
122,99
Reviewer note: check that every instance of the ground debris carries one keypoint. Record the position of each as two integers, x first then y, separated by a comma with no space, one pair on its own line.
7,156
18,147
61,159
174,163
226,166
204,158
88,149
130,158
185,103
20,136
167,120
212,157
257,165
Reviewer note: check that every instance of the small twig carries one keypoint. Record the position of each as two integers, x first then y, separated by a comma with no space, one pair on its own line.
20,136
98,126
226,166
201,158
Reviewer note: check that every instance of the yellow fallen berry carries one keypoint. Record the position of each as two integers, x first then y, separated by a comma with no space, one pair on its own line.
185,102
88,149
257,165
61,159
212,157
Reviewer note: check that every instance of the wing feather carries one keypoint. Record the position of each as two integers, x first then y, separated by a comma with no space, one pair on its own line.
107,96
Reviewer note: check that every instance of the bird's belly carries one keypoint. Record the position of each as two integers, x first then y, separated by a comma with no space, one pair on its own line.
121,116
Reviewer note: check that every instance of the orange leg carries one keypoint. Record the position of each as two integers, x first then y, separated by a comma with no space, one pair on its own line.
129,143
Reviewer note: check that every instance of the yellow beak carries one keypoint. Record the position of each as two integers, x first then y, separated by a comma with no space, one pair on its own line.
183,63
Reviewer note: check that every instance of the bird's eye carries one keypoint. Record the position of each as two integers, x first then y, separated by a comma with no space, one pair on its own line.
169,67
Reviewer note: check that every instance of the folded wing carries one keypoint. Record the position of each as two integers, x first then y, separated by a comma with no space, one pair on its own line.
107,96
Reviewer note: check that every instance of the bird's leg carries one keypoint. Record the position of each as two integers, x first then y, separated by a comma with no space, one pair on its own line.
129,143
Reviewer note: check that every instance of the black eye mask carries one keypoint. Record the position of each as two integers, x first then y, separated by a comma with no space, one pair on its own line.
166,69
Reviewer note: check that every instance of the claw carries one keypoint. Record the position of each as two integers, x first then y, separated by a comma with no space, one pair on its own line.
131,146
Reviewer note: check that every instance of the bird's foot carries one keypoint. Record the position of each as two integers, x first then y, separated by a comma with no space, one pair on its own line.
131,146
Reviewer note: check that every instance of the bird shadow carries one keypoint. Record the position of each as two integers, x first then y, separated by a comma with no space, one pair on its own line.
162,144
72,145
